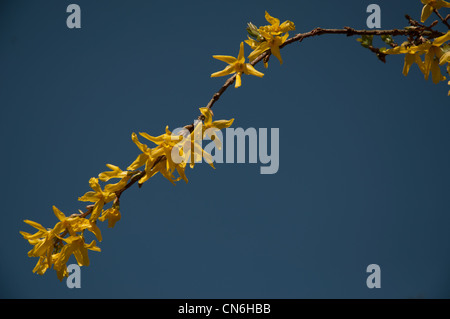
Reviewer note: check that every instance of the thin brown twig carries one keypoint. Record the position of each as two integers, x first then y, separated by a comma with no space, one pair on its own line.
416,23
444,21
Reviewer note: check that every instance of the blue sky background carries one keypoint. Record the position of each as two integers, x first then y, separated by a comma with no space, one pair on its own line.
364,157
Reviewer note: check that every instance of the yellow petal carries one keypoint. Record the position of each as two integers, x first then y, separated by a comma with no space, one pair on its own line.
89,197
445,58
97,210
436,72
79,224
35,225
138,162
273,21
92,246
265,34
221,124
115,172
427,63
157,140
276,52
401,49
264,46
93,183
287,26
238,80
112,188
241,57
228,70
142,147
207,114
96,231
61,273
409,60
427,10
58,214
249,69
442,39
252,43
441,4
420,63
180,171
81,255
225,58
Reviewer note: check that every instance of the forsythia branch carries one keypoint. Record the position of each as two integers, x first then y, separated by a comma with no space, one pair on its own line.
54,246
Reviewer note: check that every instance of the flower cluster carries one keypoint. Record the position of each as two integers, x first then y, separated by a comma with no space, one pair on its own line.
262,39
436,53
425,46
54,246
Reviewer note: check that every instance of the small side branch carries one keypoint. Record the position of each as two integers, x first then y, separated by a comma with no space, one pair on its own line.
444,20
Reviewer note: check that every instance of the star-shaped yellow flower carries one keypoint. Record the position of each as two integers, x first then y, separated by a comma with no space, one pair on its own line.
210,127
115,172
237,66
42,240
145,158
98,196
112,214
430,5
271,43
275,28
269,37
165,143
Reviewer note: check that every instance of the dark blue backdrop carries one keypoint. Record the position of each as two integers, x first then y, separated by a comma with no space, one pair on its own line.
364,158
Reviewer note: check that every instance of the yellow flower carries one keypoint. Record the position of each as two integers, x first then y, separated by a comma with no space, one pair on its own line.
237,66
272,39
42,265
145,158
432,57
99,197
44,240
275,28
115,172
165,144
74,245
75,224
210,127
191,147
61,272
410,58
112,214
271,42
430,5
